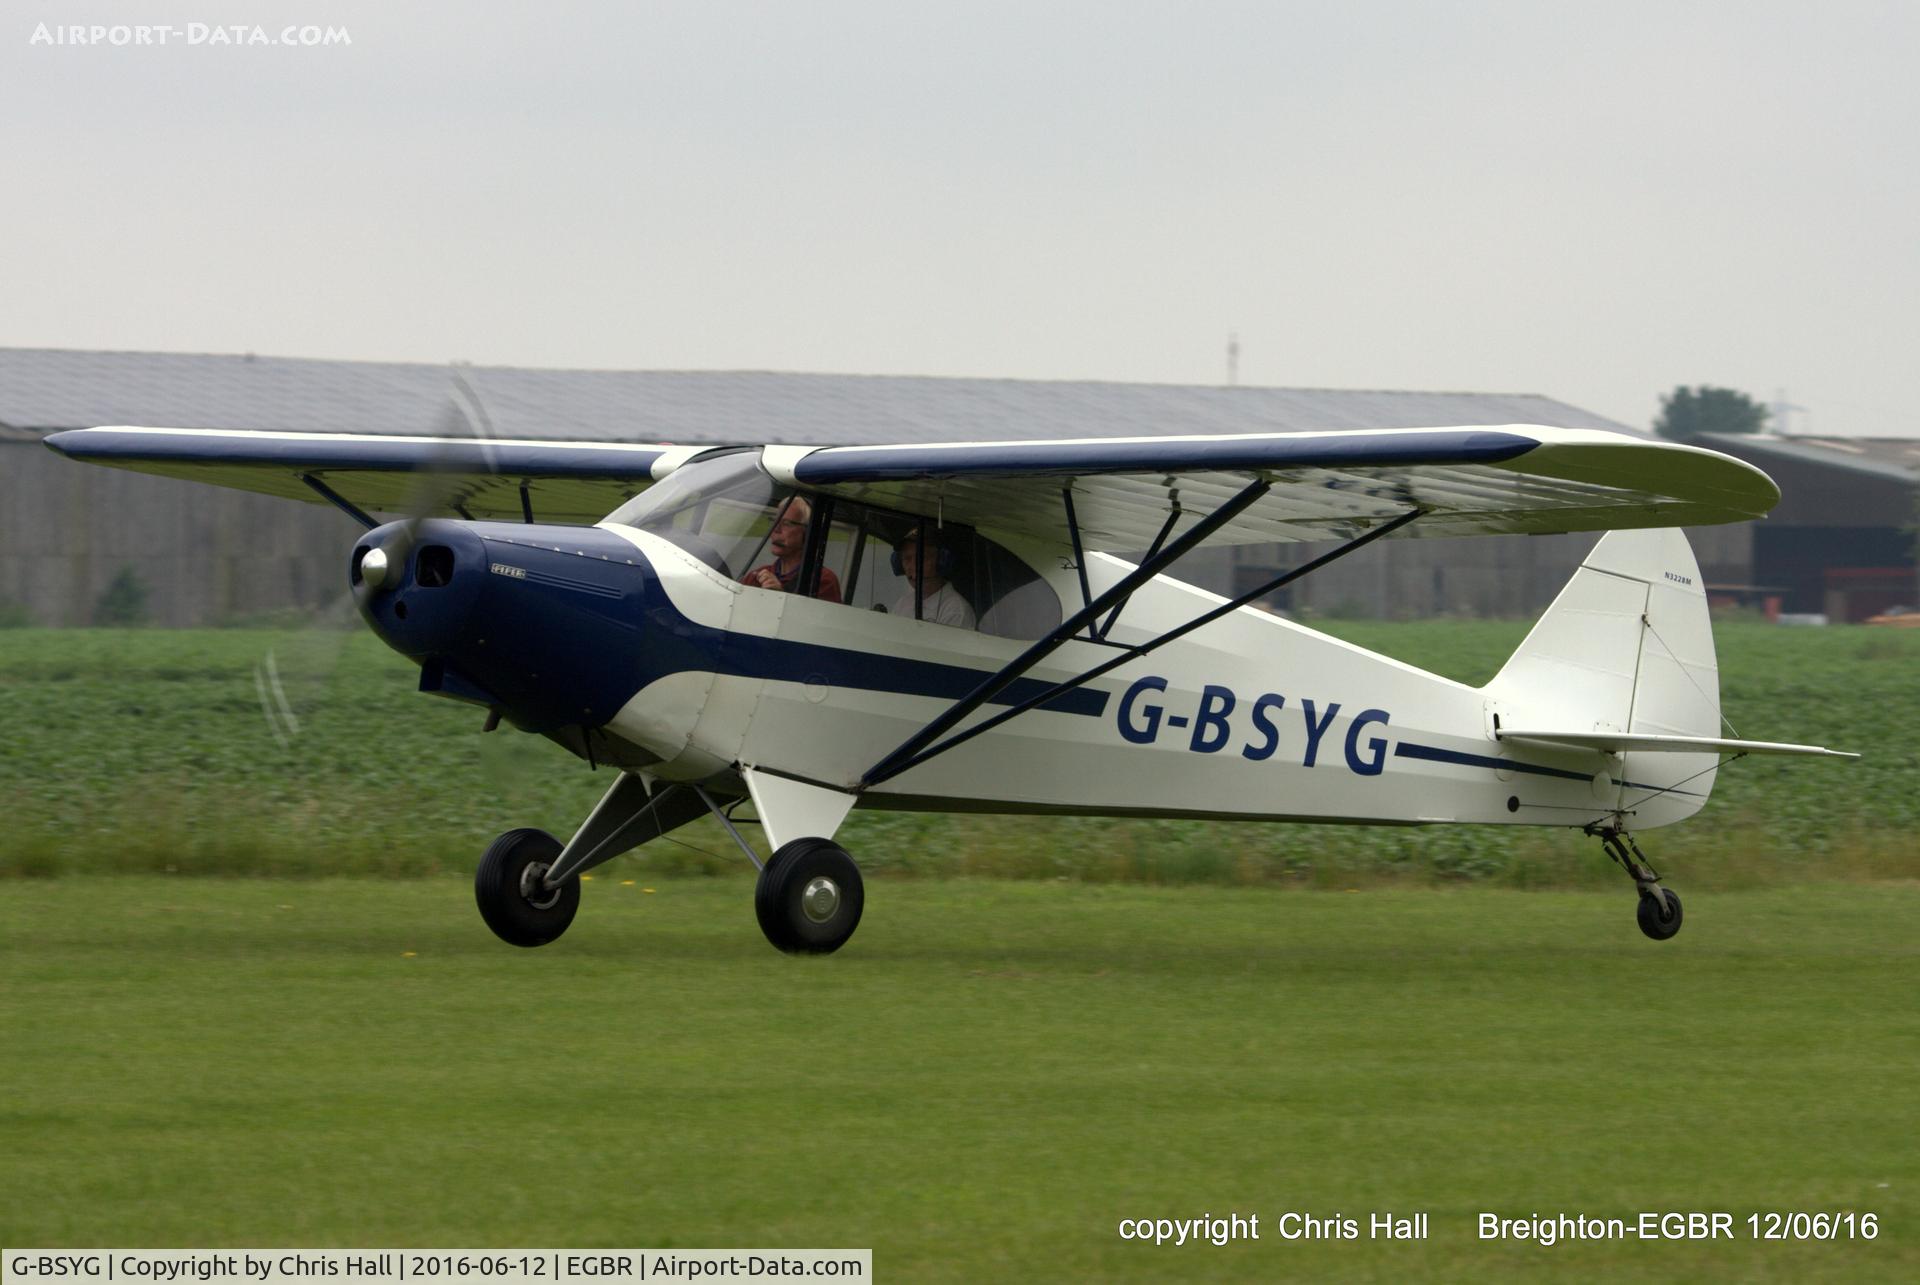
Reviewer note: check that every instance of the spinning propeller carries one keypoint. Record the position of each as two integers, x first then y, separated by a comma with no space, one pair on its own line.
292,676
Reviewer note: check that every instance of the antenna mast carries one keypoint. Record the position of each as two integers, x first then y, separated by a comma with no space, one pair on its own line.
1777,413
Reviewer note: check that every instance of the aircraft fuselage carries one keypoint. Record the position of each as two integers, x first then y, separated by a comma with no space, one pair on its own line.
687,675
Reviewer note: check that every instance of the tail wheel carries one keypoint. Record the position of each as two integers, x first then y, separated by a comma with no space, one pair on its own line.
809,897
517,905
1659,912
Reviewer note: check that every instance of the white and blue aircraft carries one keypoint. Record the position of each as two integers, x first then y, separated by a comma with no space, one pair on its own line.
948,627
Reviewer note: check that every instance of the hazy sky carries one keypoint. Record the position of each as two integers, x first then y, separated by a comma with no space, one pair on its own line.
1596,202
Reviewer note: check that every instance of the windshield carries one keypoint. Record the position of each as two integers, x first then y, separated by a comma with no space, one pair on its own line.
720,509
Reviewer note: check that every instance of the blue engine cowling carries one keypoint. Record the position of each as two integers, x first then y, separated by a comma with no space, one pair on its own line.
554,626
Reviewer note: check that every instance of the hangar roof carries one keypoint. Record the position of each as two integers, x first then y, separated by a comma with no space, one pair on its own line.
1894,458
42,390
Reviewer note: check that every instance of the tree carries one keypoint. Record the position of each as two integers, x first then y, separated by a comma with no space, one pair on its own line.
124,603
1686,413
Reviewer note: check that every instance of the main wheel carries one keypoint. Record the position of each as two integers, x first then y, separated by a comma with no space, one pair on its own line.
512,900
809,897
1659,913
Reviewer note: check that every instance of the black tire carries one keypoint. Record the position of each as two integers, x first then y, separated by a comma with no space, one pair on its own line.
1659,913
507,889
809,897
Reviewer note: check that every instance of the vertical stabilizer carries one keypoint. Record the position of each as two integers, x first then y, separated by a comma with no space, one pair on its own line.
1626,647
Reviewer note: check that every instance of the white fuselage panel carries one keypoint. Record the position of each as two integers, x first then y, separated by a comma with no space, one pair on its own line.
1250,716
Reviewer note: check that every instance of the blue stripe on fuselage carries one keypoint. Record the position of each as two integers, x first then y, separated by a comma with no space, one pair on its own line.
666,641
753,656
1434,754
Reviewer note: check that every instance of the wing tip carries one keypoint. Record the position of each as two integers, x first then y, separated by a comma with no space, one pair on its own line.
70,442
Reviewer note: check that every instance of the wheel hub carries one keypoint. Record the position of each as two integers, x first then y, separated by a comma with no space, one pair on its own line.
536,893
820,899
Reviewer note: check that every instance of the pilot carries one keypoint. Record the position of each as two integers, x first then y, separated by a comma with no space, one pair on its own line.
789,541
927,567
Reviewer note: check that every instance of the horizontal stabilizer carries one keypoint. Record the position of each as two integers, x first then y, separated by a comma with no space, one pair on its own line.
1641,742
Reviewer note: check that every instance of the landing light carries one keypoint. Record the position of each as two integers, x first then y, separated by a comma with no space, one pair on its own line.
373,567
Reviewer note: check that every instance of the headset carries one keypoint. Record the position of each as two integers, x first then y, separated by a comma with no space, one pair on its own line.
942,558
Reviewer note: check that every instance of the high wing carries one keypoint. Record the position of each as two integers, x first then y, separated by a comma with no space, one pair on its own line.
1512,479
554,481
1126,492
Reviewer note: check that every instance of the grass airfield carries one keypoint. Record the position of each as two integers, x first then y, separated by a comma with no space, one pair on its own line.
980,1086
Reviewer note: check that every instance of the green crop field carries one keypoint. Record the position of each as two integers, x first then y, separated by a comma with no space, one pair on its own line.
150,751
980,1087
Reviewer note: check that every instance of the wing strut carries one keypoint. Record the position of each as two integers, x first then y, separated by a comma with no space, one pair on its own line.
1166,528
909,751
921,746
334,498
1098,632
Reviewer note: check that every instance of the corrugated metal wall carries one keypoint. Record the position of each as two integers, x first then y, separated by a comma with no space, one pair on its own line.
1488,576
205,556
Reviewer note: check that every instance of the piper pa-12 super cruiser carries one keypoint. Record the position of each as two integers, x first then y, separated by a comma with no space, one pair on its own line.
952,627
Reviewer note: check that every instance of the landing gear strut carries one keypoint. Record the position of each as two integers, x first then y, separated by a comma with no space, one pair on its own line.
1659,911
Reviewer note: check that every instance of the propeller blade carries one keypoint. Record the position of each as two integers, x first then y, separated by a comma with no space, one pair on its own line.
293,677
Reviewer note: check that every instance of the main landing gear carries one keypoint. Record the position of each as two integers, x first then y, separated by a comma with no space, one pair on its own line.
1659,910
808,898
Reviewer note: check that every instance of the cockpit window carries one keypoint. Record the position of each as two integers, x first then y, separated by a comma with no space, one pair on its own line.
727,511
721,510
945,573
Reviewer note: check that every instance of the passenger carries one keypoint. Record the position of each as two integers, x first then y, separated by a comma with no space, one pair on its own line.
928,567
789,543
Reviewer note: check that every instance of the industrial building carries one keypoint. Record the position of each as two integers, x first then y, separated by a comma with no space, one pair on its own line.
1841,542
205,556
